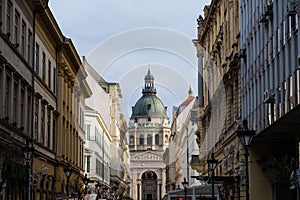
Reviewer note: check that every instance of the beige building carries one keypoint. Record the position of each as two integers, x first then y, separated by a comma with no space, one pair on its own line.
149,131
219,95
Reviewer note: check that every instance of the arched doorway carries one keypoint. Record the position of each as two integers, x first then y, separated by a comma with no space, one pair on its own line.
149,185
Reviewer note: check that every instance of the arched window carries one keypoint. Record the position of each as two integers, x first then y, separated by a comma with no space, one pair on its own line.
141,139
166,138
156,139
149,139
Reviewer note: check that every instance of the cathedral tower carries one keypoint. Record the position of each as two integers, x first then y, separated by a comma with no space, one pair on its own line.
149,131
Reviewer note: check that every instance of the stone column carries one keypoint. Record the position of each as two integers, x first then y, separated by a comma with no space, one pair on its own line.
153,139
158,191
163,180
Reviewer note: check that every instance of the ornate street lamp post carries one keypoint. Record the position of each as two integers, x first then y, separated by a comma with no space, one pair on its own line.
212,164
185,185
28,151
68,171
86,181
246,137
98,185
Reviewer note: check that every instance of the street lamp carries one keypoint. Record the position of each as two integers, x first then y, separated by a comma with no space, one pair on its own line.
86,181
212,164
28,151
98,185
68,171
246,136
185,185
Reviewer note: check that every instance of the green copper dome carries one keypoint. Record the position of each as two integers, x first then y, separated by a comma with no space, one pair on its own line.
149,105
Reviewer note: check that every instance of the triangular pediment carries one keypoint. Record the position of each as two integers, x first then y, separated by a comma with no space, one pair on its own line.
148,155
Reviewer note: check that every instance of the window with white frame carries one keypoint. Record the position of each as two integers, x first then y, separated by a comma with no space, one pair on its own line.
88,131
87,163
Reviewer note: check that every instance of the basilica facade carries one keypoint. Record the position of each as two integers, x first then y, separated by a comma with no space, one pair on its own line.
149,130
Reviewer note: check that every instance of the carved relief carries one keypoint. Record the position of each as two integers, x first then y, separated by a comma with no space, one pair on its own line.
147,156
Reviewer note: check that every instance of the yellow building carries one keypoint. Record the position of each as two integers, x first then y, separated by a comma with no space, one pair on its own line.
70,136
219,95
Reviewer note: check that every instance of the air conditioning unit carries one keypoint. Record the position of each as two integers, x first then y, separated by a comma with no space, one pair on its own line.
269,96
291,7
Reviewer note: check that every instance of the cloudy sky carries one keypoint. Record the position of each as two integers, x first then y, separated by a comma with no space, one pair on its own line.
121,37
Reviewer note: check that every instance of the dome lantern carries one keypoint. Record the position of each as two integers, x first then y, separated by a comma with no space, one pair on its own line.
149,105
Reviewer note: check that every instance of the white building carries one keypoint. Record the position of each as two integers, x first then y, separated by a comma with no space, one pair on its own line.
97,147
182,145
105,104
97,128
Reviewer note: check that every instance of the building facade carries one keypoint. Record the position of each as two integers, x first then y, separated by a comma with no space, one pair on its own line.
270,95
182,145
45,99
35,104
71,94
149,131
106,102
16,94
119,174
219,96
97,150
98,139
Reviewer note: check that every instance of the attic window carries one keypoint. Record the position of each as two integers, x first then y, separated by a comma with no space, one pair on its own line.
149,119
